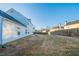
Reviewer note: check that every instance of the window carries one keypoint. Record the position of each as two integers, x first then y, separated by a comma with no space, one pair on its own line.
18,33
25,31
18,28
26,25
11,11
28,32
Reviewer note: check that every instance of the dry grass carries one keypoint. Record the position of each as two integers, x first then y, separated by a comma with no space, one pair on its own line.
43,45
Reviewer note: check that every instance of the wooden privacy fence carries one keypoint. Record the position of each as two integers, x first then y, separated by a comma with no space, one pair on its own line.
67,32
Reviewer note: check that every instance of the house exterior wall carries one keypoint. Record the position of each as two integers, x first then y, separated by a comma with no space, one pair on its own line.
54,29
14,25
30,27
72,26
11,30
0,30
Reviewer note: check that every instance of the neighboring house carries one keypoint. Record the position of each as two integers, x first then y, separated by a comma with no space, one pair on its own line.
13,25
44,30
68,29
67,25
72,25
56,28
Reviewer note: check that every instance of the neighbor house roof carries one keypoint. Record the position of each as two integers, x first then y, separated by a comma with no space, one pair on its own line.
55,27
72,22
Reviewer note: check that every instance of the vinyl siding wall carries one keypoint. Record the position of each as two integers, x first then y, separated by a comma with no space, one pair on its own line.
0,30
11,29
72,26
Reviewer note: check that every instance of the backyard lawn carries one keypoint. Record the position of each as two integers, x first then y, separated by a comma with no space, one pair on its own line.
42,45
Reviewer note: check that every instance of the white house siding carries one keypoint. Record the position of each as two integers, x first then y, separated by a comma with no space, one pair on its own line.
10,29
15,27
30,28
0,30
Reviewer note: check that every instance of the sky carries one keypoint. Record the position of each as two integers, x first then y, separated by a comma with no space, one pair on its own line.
45,15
